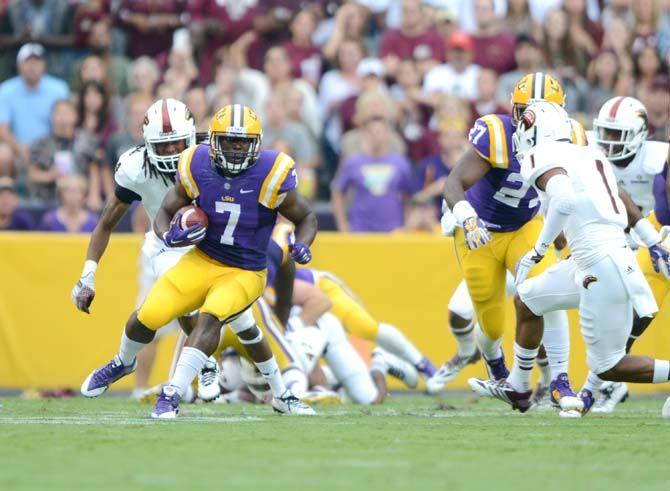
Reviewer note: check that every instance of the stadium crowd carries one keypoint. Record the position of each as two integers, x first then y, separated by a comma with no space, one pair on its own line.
373,98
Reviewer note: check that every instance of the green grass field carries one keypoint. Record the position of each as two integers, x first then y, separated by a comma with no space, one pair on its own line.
410,443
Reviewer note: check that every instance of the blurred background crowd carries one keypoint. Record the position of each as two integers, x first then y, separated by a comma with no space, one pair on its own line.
373,98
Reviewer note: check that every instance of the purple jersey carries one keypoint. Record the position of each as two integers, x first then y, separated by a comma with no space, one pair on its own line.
501,198
662,209
51,223
241,209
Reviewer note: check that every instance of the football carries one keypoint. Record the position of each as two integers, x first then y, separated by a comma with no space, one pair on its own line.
192,215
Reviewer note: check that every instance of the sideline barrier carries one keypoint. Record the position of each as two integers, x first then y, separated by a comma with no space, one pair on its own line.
404,279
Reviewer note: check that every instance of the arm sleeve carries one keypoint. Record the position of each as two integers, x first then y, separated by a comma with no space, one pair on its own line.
126,195
560,205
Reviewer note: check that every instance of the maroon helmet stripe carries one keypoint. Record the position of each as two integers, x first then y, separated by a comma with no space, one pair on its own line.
167,125
615,107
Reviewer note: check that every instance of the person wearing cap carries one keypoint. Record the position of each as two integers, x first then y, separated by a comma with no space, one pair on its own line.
27,99
11,217
459,76
415,39
493,48
528,58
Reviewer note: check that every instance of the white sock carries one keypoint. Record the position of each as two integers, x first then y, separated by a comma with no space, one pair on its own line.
191,361
545,371
661,371
465,336
392,340
490,348
270,371
556,341
524,360
129,349
593,382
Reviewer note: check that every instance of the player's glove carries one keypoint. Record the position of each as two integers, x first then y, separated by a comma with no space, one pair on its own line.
525,264
84,291
448,221
476,234
176,237
660,259
300,252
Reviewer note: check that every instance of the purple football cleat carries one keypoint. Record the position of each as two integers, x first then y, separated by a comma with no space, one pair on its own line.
587,400
101,378
562,395
167,403
425,367
496,367
502,390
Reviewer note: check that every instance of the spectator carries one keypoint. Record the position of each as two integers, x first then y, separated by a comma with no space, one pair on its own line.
647,16
446,23
351,22
370,72
278,126
606,79
416,39
181,71
517,19
618,39
369,191
71,216
459,76
11,217
53,156
305,57
421,216
6,160
114,67
143,76
657,102
618,10
528,57
493,48
336,86
432,171
196,100
86,16
94,128
149,25
646,66
560,50
131,135
26,101
486,102
585,34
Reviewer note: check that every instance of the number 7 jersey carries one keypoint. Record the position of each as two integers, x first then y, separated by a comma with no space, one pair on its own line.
241,209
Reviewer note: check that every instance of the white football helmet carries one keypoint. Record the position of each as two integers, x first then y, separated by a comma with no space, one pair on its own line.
541,122
621,127
167,121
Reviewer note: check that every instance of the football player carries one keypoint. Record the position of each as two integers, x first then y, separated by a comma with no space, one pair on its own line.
495,223
144,173
240,188
620,130
348,308
601,277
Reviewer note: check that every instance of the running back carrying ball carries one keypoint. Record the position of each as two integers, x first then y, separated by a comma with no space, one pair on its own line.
192,215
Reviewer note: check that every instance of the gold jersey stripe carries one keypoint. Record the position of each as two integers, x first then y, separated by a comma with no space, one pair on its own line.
184,168
270,190
497,141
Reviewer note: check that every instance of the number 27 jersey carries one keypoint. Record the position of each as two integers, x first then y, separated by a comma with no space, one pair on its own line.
501,198
241,209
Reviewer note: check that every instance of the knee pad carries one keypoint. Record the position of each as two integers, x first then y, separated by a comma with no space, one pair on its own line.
243,321
460,302
256,339
492,321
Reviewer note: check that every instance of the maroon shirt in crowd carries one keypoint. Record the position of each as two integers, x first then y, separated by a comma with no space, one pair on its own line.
305,62
428,45
495,52
85,16
150,42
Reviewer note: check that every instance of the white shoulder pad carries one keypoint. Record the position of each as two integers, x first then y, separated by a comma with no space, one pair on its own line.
129,171
590,137
545,157
654,154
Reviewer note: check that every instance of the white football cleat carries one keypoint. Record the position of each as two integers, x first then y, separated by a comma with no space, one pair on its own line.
290,404
208,381
449,370
396,367
665,412
610,395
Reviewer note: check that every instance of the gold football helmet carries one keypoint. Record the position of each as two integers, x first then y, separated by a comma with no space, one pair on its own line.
535,87
235,139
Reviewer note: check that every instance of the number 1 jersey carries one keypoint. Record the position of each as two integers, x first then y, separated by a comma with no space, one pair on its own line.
241,209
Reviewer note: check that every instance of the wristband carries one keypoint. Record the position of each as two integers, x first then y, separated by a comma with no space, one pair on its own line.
463,210
646,232
90,266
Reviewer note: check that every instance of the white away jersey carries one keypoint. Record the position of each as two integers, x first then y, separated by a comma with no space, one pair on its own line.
597,224
131,174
